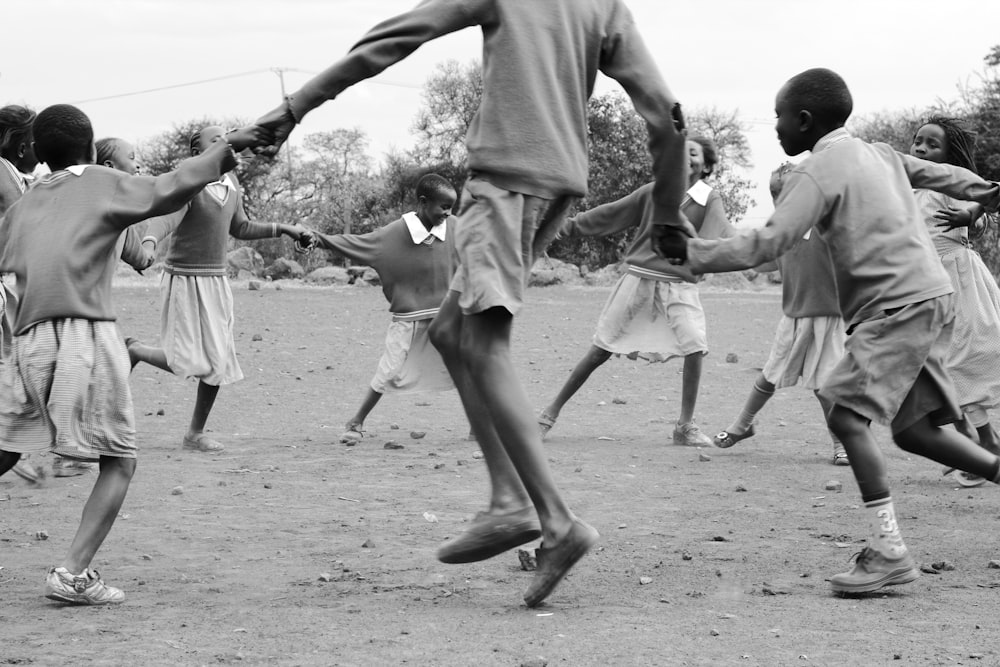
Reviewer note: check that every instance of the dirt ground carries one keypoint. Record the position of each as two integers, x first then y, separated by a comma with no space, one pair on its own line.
292,549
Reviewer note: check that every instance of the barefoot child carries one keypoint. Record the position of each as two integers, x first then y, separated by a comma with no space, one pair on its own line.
973,358
809,341
66,381
196,321
653,312
415,259
894,294
527,148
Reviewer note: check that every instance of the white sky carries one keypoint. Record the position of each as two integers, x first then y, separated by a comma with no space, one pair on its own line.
732,54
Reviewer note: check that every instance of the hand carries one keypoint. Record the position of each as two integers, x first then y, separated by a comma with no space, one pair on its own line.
251,136
777,179
305,239
953,218
279,122
147,259
670,243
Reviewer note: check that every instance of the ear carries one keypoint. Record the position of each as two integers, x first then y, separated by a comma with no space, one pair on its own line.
806,121
22,149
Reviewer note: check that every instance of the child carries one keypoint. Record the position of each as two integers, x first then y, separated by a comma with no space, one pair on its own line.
17,159
66,381
975,348
196,321
652,312
809,341
527,148
415,260
895,298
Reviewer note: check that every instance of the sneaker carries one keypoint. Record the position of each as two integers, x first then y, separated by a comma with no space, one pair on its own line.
968,480
873,571
85,588
28,471
63,467
689,435
840,455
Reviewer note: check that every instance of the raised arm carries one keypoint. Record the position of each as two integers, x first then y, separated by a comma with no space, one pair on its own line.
610,218
364,249
950,180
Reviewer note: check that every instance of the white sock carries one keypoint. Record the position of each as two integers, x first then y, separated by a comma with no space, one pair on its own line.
886,538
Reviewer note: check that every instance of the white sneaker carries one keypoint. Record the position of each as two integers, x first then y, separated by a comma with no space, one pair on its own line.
689,435
85,588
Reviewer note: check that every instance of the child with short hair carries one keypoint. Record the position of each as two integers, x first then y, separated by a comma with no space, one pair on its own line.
66,381
894,296
415,259
196,320
527,147
809,340
972,358
653,311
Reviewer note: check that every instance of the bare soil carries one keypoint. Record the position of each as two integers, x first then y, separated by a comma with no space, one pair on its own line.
290,548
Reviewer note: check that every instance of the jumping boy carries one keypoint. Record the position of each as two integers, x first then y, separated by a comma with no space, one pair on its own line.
415,259
196,319
66,383
895,298
527,147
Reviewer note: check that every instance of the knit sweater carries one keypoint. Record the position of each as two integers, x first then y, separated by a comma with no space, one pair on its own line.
540,60
201,230
415,276
60,237
858,196
702,207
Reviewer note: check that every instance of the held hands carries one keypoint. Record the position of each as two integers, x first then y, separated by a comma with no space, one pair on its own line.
251,136
279,122
670,243
304,238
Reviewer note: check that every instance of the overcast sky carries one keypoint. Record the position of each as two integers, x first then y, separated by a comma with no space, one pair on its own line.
732,54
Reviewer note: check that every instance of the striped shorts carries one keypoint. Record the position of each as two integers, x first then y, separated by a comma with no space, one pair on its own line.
65,389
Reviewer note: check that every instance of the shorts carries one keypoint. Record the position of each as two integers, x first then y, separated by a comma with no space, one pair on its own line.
653,319
805,351
497,237
410,363
65,388
893,371
196,328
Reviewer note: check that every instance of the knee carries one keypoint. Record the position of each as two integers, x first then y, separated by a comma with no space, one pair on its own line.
118,465
598,356
444,337
847,425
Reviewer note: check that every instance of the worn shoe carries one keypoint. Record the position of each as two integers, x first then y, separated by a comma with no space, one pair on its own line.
28,471
202,443
64,467
689,435
85,588
554,562
491,534
967,479
873,571
352,434
840,455
545,423
727,439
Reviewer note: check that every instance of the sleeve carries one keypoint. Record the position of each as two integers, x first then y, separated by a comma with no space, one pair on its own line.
364,249
131,252
388,43
715,224
800,206
162,226
627,60
242,227
609,218
951,180
137,198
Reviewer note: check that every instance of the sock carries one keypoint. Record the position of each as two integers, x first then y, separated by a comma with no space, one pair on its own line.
886,538
755,401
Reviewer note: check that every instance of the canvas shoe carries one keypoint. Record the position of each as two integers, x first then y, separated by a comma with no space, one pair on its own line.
873,571
28,471
689,435
85,588
63,467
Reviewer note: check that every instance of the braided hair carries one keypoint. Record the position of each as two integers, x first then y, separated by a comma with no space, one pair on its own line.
961,141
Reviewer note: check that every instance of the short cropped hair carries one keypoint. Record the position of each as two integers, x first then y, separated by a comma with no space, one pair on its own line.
63,134
961,139
107,148
709,151
821,92
432,184
15,126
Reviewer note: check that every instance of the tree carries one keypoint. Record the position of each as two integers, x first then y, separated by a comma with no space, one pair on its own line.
728,133
451,98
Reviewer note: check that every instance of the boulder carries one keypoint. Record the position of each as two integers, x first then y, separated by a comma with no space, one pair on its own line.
284,268
244,259
604,276
549,271
329,275
363,275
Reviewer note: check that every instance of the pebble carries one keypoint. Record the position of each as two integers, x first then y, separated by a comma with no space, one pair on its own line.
535,662
714,632
325,576
527,560
147,557
994,565
477,455
704,457
619,401
368,544
416,435
686,556
278,287
393,427
177,491
41,535
253,285
257,337
645,580
392,444
161,412
833,485
732,358
741,488
943,566
267,485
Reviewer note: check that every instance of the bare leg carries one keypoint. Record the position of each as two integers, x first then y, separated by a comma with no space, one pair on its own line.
203,407
369,402
154,356
591,361
100,511
690,382
867,460
948,447
840,456
8,460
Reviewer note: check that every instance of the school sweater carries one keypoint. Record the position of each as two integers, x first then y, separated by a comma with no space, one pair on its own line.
808,285
414,265
201,230
858,196
60,237
702,207
540,60
12,184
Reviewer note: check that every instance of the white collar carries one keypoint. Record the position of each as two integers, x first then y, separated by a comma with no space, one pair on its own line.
419,233
831,138
76,169
15,173
699,192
